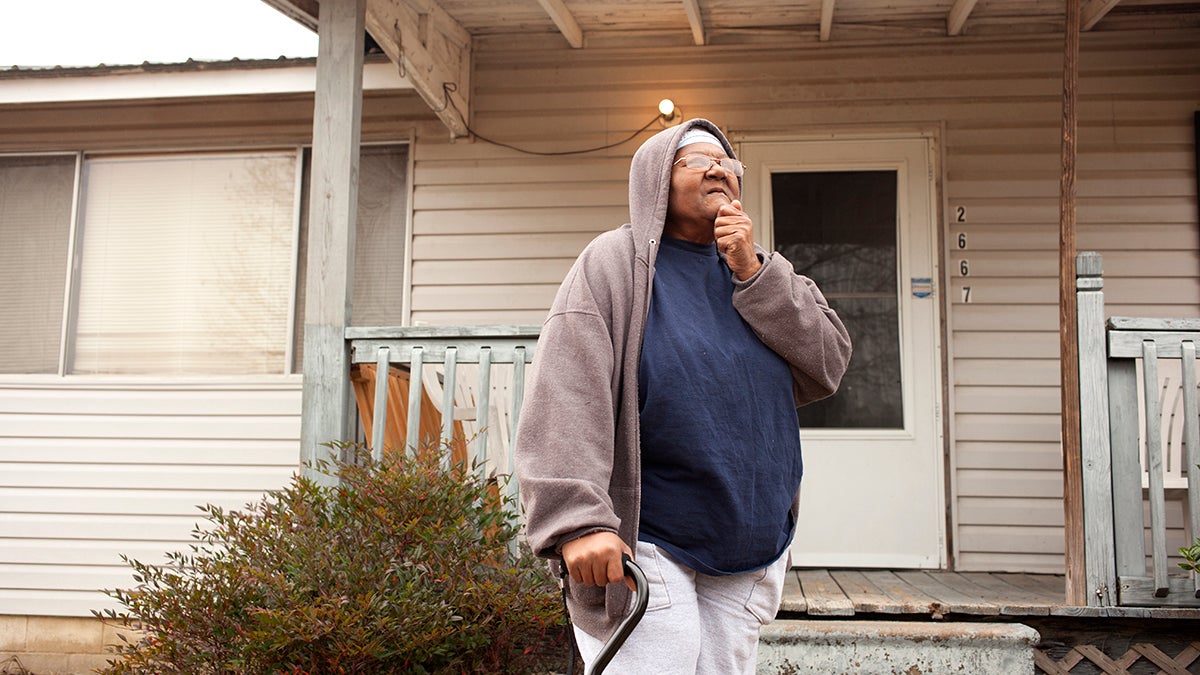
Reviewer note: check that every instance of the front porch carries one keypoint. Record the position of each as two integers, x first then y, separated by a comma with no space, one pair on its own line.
883,617
1073,635
933,595
938,595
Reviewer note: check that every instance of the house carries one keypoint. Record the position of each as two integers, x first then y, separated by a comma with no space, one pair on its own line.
924,137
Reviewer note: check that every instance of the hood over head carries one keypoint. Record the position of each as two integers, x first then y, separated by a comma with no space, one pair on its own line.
650,178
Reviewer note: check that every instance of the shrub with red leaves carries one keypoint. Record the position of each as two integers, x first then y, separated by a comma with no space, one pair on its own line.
403,567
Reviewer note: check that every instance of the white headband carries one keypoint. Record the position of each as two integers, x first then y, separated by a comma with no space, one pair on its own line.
699,135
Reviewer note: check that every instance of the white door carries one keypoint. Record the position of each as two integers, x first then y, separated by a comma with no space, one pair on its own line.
857,216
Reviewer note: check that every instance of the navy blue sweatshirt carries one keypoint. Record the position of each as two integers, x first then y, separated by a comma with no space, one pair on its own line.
720,442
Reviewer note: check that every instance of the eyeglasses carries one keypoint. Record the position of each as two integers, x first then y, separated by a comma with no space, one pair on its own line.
705,162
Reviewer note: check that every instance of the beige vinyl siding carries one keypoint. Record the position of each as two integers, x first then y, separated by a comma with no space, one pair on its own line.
494,230
1136,205
492,252
92,471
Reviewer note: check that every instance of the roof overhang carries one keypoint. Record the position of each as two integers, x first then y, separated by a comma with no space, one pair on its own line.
230,78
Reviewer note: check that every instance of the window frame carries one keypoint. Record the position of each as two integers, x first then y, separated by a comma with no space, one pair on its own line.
70,271
289,372
70,335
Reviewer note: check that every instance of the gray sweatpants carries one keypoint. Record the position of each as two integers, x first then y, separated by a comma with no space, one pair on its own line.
695,624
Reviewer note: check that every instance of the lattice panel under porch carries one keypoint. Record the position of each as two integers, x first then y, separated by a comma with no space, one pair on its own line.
1141,658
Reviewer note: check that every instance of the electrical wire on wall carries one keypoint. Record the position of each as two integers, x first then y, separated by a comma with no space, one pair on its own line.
668,115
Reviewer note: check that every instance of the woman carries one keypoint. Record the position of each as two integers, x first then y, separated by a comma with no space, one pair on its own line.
660,420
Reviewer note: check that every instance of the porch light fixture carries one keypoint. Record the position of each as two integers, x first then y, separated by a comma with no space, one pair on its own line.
668,114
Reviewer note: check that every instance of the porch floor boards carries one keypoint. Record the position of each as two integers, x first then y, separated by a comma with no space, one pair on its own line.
938,594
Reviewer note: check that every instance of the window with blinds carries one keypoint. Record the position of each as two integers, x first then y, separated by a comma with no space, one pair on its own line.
35,229
185,265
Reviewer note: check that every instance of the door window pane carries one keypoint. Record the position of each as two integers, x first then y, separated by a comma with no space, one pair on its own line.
839,228
186,265
35,225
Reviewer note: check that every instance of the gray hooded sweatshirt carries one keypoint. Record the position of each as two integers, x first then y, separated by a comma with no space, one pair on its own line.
578,450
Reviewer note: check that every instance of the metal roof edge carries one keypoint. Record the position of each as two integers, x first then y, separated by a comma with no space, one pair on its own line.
193,79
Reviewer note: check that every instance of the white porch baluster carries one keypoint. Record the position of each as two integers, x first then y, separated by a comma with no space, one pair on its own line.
483,398
449,382
412,437
383,369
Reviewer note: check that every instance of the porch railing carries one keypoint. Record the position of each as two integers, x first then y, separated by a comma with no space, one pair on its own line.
1123,418
435,357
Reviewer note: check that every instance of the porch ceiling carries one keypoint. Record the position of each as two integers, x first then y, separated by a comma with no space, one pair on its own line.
720,21
433,39
587,23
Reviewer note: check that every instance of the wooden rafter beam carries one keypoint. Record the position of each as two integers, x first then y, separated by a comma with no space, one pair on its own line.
695,20
826,19
957,18
433,52
303,12
565,20
1094,10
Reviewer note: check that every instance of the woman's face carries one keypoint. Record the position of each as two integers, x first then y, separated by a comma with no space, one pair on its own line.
697,195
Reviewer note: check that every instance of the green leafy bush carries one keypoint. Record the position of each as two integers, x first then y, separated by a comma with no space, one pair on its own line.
1191,554
402,568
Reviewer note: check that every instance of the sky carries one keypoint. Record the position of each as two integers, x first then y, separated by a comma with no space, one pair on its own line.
130,32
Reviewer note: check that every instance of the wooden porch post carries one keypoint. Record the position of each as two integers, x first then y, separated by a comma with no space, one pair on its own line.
1094,440
333,204
1069,351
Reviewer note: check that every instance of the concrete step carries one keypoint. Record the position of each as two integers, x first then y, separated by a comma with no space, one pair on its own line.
803,647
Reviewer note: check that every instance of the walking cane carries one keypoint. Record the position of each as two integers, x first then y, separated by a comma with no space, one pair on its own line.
640,598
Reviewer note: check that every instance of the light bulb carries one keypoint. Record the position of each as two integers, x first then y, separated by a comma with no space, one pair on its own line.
666,107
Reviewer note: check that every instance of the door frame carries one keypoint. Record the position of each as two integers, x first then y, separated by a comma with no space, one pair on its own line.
931,135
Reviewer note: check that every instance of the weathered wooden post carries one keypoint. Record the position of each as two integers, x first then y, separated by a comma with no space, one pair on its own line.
1095,449
337,119
1069,351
